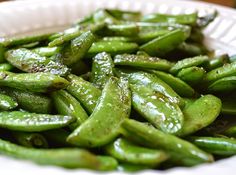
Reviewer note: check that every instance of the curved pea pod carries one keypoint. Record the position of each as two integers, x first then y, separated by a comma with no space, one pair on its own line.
6,67
66,104
77,49
112,47
192,75
179,86
31,140
216,145
181,152
188,62
102,69
151,81
34,82
84,91
189,19
124,15
141,61
200,114
129,29
7,103
221,72
125,151
164,44
30,101
226,84
24,40
64,157
127,167
103,125
28,61
228,104
157,109
47,51
31,122
217,62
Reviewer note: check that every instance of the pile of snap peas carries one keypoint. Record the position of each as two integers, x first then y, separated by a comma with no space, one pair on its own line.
118,91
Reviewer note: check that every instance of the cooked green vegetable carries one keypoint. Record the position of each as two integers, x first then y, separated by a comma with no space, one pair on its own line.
7,103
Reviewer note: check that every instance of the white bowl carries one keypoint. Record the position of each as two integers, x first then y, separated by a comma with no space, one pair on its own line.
40,16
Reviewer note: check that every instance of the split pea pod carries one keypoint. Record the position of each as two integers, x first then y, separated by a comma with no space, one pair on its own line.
7,103
32,122
181,152
28,61
140,61
216,145
103,125
84,91
66,104
64,157
29,139
102,69
34,82
200,114
125,151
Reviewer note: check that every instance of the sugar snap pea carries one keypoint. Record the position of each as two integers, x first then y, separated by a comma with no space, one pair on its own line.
217,62
200,114
122,30
7,102
181,152
31,140
34,82
29,61
64,157
226,84
103,125
66,104
102,69
127,167
84,91
125,15
192,75
31,122
188,62
125,151
142,62
47,51
216,145
179,86
6,67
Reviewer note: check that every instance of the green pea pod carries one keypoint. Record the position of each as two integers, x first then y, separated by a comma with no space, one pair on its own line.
188,62
66,104
6,67
29,101
29,61
84,91
151,81
31,140
77,49
164,44
7,103
47,51
216,145
34,82
125,15
226,84
24,40
127,167
191,49
103,125
146,36
142,62
221,72
31,122
179,86
200,114
181,152
157,109
228,104
217,62
192,75
74,33
117,38
125,151
129,29
112,47
64,157
107,163
189,19
102,69
101,15
31,45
